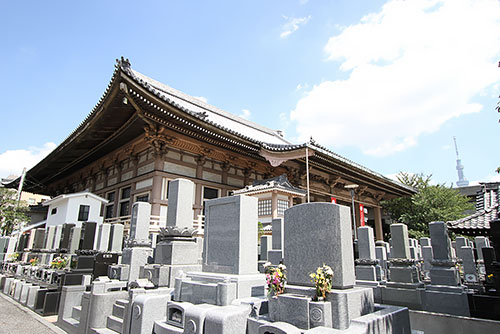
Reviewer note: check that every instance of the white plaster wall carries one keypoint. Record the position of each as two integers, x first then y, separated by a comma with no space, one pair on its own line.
68,208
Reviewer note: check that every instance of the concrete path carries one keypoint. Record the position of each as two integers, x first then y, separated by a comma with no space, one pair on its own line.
17,319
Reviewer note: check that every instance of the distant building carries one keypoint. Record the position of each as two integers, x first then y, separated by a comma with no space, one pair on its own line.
487,199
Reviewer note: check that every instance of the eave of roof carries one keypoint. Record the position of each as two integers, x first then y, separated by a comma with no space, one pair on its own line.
182,102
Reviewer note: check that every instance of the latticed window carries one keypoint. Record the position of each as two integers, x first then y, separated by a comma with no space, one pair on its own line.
264,207
282,206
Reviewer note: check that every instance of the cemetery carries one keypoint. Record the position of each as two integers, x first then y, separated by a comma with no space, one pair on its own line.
310,277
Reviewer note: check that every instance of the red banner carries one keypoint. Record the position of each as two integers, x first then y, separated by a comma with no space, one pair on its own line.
362,214
333,200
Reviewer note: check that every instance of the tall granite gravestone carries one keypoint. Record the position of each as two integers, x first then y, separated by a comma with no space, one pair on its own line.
404,286
275,254
103,237
87,235
480,243
317,234
425,241
74,239
367,265
39,239
265,246
427,257
66,231
229,266
466,254
138,250
381,254
57,237
49,237
444,294
116,238
179,248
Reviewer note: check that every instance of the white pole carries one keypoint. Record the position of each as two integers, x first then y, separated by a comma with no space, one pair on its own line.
307,173
20,188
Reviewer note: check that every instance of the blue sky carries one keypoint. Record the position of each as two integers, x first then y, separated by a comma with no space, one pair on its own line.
384,83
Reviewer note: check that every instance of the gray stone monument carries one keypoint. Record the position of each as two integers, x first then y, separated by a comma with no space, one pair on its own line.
404,286
265,246
469,265
229,255
275,255
116,238
367,266
74,239
137,253
445,294
49,237
57,237
480,243
179,250
103,237
425,241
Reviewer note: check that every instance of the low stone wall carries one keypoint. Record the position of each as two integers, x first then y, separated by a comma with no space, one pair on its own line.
429,323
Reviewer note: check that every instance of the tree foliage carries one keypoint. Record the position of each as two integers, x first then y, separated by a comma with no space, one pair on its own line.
430,203
11,212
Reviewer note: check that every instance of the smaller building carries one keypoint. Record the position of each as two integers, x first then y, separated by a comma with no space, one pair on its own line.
487,209
275,196
74,209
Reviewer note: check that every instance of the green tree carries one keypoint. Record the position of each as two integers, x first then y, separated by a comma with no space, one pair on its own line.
11,212
430,203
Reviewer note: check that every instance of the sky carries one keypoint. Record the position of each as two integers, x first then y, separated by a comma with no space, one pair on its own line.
387,84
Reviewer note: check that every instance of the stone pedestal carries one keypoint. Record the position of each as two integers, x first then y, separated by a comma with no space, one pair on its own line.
136,257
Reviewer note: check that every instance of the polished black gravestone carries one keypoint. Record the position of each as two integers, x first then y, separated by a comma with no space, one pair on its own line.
87,236
66,232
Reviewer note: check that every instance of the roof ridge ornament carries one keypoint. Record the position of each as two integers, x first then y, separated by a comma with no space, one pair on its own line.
124,63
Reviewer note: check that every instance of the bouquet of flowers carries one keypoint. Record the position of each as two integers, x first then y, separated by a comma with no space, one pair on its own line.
322,280
13,257
59,262
275,278
34,261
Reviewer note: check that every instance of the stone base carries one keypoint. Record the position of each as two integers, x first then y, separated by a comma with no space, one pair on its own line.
401,294
404,274
296,307
177,252
365,273
136,257
445,299
218,289
444,276
376,286
164,275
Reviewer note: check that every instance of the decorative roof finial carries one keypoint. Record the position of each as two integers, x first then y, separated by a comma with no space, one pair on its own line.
312,141
123,62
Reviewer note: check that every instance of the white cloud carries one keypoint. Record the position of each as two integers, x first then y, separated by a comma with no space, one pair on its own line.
413,66
293,24
300,87
12,162
201,98
245,113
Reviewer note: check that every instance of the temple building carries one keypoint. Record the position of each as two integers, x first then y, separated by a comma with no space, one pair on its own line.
142,134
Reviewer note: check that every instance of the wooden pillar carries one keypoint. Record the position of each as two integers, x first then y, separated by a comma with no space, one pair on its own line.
274,204
157,183
379,233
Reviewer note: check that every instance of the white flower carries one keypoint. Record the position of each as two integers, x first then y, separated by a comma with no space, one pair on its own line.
267,264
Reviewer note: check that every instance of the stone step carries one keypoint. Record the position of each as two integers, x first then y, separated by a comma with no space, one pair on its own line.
114,323
72,322
76,311
104,331
122,302
118,311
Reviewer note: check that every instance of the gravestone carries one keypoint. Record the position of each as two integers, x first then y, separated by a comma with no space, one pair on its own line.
57,237
229,266
66,231
116,238
425,241
230,229
39,238
480,243
178,249
74,239
367,266
180,203
103,237
381,254
325,239
275,255
318,234
427,255
87,235
404,287
445,294
139,224
265,246
469,265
